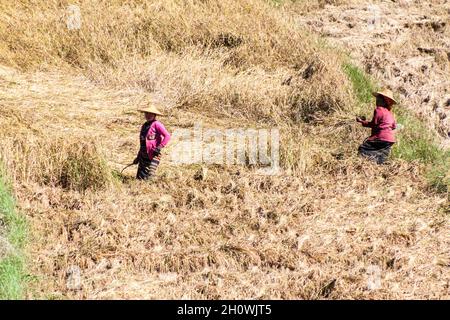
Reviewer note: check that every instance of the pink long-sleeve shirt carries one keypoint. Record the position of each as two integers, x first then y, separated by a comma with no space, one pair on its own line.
382,124
156,136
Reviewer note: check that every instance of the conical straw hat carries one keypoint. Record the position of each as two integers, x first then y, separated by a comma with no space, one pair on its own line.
386,93
151,109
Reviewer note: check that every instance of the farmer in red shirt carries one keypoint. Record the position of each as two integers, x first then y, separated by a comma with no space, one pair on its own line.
377,147
153,138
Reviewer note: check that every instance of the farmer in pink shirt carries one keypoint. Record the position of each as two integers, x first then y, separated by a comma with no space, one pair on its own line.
153,138
377,147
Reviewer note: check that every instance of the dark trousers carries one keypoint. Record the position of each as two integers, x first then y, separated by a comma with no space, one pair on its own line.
375,150
147,168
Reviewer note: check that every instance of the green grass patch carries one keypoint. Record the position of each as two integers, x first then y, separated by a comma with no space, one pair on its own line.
14,230
438,174
363,86
12,278
415,141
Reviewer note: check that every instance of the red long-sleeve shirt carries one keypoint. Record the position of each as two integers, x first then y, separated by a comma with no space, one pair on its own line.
153,135
382,124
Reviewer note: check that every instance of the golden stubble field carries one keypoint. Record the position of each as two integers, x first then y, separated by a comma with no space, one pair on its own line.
329,226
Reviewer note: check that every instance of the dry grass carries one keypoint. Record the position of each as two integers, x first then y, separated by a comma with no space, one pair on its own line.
404,45
56,161
313,232
236,56
241,243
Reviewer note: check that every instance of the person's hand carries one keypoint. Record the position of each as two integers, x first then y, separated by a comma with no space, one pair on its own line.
157,152
136,161
361,119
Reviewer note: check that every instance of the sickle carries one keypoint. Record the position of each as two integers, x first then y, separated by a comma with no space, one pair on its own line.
126,167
